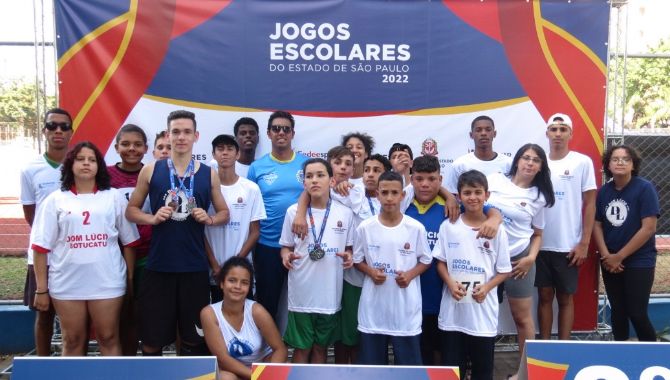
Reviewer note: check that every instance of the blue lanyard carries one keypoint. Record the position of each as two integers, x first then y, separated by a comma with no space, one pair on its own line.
190,171
372,207
317,241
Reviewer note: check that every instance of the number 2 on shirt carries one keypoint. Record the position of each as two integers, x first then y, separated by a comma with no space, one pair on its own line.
87,216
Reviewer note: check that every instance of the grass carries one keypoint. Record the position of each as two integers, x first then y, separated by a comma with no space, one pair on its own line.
12,277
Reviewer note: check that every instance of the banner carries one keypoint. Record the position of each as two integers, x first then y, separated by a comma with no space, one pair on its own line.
350,372
415,72
114,368
547,360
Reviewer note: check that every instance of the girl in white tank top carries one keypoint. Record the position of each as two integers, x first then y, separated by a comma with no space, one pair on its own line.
239,331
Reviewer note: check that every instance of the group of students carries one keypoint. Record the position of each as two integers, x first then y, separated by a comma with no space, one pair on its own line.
374,250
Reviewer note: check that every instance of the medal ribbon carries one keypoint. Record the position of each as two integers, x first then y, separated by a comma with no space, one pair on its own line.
190,171
317,241
372,207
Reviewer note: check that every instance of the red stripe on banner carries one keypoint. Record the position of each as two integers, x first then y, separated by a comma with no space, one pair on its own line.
144,55
271,372
84,70
536,371
191,13
576,66
532,68
479,15
442,374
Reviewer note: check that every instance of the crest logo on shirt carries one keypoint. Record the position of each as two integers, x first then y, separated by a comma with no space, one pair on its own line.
429,147
240,200
406,251
300,176
339,229
270,178
523,204
485,246
566,172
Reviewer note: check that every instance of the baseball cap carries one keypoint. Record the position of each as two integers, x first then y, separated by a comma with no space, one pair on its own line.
566,120
225,140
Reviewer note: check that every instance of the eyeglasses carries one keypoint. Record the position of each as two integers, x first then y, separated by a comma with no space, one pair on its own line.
622,160
53,125
279,128
534,160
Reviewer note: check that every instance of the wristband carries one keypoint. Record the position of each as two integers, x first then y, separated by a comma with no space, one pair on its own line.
44,292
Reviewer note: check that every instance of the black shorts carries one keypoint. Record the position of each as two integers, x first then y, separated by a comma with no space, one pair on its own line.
430,339
30,287
553,271
169,301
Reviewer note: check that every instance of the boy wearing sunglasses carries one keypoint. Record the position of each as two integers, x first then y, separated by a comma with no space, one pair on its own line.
38,179
279,175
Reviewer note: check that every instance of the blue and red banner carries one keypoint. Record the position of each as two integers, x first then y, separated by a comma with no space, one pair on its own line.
114,368
415,72
553,360
349,372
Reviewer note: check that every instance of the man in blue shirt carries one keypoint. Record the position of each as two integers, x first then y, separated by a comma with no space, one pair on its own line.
279,176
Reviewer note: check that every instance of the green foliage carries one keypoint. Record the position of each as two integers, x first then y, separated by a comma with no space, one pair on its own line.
648,89
18,103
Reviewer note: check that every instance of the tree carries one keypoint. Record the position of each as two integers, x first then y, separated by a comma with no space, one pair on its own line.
18,105
648,89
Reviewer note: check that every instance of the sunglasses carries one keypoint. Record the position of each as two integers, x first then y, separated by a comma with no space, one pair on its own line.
279,128
53,125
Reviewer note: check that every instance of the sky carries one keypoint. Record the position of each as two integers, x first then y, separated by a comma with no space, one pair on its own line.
646,26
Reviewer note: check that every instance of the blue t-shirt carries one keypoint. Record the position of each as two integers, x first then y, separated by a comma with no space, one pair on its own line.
621,213
281,185
178,244
431,216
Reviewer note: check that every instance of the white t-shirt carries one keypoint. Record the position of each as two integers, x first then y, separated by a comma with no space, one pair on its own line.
500,164
360,204
245,204
570,176
521,209
241,169
38,180
82,232
365,207
470,259
316,286
388,309
246,345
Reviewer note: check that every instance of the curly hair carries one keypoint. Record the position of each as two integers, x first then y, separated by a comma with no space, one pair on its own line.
367,140
102,179
634,156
